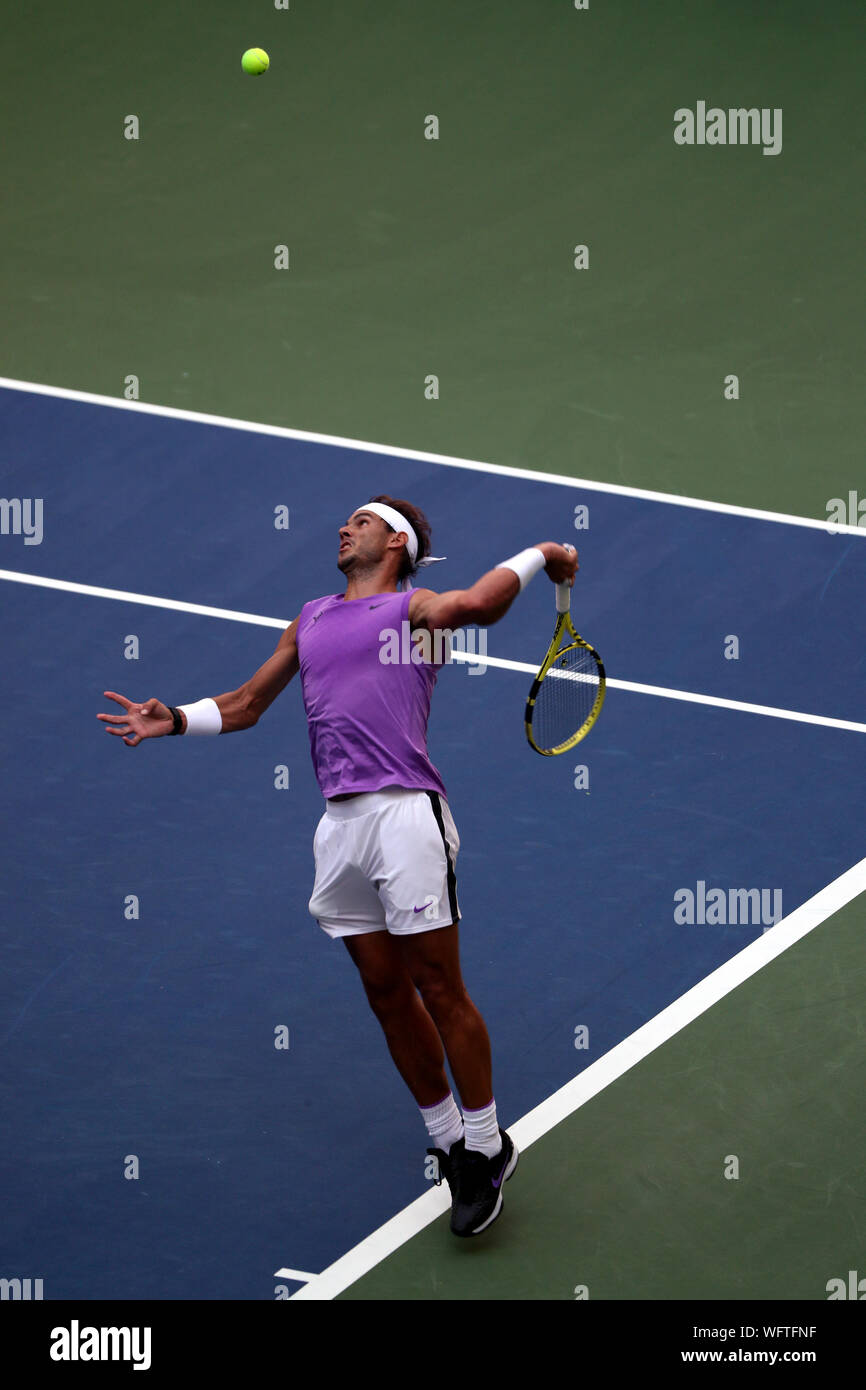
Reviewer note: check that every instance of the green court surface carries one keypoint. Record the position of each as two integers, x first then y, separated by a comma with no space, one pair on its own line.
410,257
628,1198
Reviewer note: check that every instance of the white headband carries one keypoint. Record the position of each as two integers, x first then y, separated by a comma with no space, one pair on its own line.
397,521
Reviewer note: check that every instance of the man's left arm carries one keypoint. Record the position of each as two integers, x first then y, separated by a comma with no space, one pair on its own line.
491,596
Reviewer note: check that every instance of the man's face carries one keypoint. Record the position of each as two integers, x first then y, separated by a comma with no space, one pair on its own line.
363,541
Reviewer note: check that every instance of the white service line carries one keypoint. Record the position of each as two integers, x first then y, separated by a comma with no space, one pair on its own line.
177,605
443,460
594,1078
637,689
257,619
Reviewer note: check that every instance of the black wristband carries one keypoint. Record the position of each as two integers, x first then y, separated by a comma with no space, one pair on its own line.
178,720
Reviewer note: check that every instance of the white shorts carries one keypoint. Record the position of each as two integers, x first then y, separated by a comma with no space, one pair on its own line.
385,862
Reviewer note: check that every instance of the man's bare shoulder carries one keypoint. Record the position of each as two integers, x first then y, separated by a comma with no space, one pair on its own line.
420,604
289,635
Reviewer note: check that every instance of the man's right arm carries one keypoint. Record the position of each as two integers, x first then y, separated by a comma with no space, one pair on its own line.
242,708
239,709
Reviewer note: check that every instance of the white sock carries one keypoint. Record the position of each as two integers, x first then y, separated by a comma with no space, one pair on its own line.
444,1123
482,1130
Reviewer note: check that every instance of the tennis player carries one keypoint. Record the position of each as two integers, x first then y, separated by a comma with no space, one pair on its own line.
386,846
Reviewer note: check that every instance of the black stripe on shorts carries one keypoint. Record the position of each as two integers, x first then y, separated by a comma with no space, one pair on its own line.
452,879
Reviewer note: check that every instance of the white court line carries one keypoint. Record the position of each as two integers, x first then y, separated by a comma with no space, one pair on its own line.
176,605
298,1275
258,620
614,1064
443,460
666,694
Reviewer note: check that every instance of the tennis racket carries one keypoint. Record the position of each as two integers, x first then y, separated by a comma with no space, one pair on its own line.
568,692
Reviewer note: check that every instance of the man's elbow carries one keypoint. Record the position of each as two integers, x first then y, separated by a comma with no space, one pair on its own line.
460,610
250,709
488,607
475,609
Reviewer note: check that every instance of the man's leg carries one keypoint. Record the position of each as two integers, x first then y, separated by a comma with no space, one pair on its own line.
409,1030
487,1156
433,964
392,969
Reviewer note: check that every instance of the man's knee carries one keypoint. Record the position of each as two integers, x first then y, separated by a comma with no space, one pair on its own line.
389,992
442,994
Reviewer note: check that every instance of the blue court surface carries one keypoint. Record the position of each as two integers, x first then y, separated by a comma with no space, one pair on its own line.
154,1036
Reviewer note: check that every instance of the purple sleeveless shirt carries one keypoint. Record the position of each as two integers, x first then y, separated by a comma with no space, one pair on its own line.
367,717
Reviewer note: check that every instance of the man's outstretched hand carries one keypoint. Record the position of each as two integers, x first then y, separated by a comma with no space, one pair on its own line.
149,720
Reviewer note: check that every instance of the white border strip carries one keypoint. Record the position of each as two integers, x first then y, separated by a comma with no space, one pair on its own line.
596,1077
232,615
93,591
662,692
444,460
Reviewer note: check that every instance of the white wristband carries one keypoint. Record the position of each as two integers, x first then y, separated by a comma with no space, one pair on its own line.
525,565
203,717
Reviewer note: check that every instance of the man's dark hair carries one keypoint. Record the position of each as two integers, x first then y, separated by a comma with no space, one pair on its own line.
419,524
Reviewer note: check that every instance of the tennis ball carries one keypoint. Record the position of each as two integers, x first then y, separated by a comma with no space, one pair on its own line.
255,61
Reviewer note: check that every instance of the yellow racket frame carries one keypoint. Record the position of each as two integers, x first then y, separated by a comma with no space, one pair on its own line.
558,646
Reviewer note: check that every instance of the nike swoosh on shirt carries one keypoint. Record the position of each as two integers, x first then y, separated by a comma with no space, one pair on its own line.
379,605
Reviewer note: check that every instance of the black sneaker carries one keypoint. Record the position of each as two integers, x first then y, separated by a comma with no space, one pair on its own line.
479,1181
445,1168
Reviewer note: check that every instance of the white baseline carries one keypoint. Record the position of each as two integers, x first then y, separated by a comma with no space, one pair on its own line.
614,1064
443,460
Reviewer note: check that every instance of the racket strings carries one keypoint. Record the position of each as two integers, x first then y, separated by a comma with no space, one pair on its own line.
566,697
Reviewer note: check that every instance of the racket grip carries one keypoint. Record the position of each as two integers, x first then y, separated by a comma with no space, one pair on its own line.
563,598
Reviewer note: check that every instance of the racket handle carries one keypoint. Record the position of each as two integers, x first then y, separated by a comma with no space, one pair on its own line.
563,592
